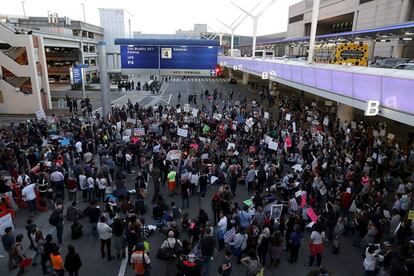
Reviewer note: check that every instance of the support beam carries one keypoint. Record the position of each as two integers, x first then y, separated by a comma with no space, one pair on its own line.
245,78
345,114
314,25
104,79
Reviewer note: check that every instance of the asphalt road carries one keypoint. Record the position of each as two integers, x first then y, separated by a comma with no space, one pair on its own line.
348,262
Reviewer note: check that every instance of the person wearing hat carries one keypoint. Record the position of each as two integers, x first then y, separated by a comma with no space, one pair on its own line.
140,260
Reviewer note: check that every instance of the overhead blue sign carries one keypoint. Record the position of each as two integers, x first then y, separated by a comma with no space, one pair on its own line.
82,65
139,57
169,57
77,75
193,57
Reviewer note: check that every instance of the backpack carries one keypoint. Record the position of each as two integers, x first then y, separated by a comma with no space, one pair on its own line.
54,218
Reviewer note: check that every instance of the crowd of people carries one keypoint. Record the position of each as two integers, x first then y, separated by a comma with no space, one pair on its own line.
304,169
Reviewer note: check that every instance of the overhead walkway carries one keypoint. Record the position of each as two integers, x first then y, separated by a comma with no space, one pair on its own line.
352,86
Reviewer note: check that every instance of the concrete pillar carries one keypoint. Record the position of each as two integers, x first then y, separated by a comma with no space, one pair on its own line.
245,78
398,50
314,24
231,73
45,74
405,12
345,113
32,69
406,7
104,80
270,85
371,50
355,21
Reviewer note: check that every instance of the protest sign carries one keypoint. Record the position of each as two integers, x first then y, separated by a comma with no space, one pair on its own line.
195,112
6,221
229,235
174,155
182,132
40,114
273,145
248,202
204,156
312,215
288,116
139,131
326,121
276,211
186,108
266,115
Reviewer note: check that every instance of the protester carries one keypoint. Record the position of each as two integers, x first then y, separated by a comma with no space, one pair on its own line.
72,262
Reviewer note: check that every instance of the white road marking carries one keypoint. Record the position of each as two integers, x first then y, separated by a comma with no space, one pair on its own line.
111,103
124,264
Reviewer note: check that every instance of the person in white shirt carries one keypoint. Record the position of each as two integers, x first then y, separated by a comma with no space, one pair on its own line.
23,179
29,195
101,183
221,230
371,259
83,184
105,234
90,184
316,245
78,146
128,160
57,180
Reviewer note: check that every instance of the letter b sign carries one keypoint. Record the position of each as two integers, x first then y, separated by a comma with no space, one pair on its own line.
372,108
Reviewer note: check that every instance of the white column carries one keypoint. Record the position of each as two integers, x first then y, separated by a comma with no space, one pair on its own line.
314,24
245,78
254,35
31,61
232,42
45,74
345,114
104,80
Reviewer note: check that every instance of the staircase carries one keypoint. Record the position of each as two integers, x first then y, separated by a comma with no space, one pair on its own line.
14,52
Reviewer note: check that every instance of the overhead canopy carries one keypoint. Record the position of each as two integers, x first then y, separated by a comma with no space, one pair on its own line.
390,31
165,42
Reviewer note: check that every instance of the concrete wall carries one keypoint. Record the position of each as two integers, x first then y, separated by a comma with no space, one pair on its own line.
16,102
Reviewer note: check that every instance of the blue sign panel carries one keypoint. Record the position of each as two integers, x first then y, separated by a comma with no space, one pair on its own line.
169,57
145,57
77,75
193,57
